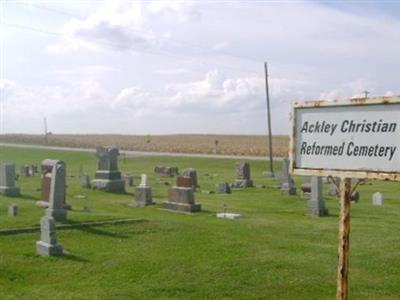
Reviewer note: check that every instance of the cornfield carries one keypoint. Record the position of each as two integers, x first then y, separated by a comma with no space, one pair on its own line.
254,145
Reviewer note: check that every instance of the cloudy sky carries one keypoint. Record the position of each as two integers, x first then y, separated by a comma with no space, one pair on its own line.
164,67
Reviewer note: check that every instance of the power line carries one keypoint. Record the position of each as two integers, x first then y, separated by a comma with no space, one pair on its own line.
117,46
176,41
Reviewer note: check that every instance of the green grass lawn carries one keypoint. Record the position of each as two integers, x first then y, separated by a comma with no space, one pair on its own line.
275,251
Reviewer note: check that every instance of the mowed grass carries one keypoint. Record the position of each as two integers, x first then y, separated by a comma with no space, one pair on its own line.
275,251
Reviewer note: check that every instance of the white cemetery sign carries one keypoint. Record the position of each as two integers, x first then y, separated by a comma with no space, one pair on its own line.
353,138
357,138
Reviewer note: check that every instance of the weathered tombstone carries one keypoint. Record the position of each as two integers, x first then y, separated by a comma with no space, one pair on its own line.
192,173
306,187
57,193
223,188
12,210
288,186
181,199
7,180
243,179
85,181
48,245
128,180
47,176
183,181
377,199
107,177
143,196
25,171
166,171
316,204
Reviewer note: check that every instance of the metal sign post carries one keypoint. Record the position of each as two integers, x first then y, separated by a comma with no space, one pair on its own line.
356,138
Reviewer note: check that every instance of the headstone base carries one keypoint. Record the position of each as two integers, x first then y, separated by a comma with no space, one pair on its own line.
46,249
143,197
182,207
59,215
113,186
242,183
10,191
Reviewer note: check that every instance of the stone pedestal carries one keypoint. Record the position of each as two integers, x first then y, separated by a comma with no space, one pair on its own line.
48,245
181,199
143,196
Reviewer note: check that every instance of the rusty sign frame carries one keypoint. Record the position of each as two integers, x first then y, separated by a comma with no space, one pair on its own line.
343,173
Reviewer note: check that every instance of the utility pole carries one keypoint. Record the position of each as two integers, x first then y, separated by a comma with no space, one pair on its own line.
271,163
45,130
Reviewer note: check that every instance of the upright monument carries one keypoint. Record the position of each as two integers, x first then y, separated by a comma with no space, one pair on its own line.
7,180
107,177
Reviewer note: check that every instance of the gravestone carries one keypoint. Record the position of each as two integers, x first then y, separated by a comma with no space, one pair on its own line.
316,204
107,177
287,182
128,180
143,195
166,171
12,210
192,173
7,180
183,181
243,178
47,166
25,171
223,188
306,187
34,169
57,193
377,199
181,199
48,245
85,181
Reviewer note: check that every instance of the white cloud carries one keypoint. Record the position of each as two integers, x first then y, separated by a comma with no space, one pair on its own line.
176,71
123,26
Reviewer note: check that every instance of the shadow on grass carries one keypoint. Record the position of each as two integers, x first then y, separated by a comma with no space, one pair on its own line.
71,257
90,228
28,197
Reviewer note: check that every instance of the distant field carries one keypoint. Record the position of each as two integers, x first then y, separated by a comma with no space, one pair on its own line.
255,145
